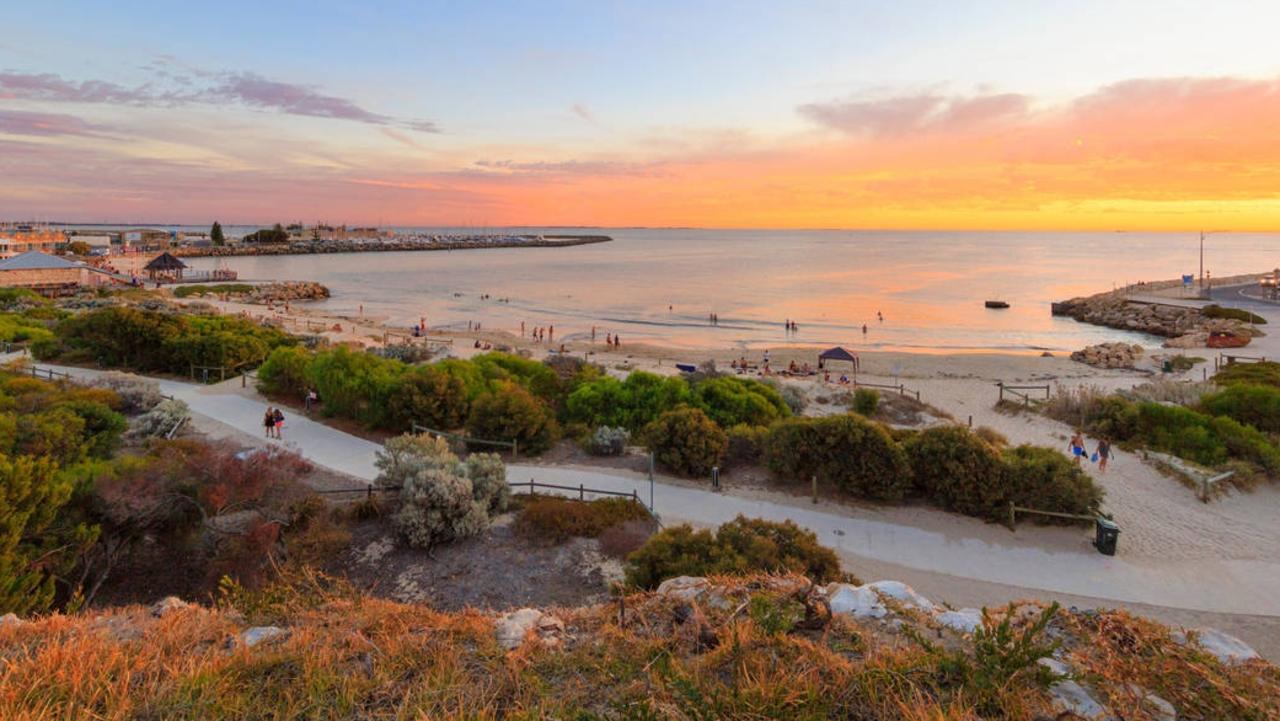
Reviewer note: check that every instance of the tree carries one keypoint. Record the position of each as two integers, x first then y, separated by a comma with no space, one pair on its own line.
78,247
687,441
509,412
215,234
32,494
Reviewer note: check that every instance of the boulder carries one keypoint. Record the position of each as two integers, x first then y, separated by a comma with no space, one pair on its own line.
685,588
168,605
966,620
1070,697
251,637
1226,648
903,594
513,628
855,601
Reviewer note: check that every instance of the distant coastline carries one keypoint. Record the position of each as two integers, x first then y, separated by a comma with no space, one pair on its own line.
318,247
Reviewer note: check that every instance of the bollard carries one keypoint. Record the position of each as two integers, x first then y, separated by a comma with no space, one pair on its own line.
715,478
814,485
971,421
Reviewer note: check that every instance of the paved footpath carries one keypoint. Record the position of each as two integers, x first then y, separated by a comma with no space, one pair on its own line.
1235,587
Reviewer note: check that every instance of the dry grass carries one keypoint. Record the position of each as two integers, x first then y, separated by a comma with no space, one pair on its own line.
645,657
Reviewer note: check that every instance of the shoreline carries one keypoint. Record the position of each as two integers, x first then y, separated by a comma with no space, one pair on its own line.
327,247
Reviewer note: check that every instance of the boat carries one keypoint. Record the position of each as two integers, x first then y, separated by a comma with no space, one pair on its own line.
1223,339
996,304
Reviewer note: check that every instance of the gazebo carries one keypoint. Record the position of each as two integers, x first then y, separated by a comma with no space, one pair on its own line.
165,267
838,354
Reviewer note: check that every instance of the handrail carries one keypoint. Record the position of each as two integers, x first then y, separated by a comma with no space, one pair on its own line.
513,444
1015,509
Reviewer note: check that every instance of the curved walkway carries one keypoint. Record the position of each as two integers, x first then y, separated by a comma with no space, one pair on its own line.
1238,587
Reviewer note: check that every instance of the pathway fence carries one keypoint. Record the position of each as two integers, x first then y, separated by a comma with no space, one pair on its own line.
513,444
901,389
1023,393
582,491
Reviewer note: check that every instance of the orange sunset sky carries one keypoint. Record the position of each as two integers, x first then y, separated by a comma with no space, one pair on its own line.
1149,116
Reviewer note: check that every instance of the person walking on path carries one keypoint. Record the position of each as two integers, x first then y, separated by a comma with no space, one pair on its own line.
278,417
1104,454
1077,447
269,422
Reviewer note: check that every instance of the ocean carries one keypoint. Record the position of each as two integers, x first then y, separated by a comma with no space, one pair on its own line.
660,286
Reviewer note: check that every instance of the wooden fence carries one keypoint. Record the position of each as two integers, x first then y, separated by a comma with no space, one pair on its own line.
513,444
1022,392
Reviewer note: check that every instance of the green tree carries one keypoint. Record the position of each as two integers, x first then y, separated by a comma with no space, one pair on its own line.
687,441
32,547
215,234
78,247
510,412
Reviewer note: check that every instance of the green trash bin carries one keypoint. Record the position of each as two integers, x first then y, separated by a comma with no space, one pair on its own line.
1168,366
1108,533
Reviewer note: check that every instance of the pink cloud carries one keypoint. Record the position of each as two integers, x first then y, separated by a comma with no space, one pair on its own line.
19,122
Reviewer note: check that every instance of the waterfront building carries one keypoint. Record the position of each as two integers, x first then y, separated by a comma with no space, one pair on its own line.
16,238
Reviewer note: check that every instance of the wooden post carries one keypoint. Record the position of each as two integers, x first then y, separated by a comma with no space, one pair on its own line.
582,493
1012,519
813,484
515,449
971,421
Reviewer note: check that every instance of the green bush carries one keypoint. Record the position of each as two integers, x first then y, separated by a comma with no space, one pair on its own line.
746,445
866,401
1254,405
631,404
355,385
553,519
186,291
538,378
158,341
741,546
16,328
1240,314
286,372
856,455
510,412
1046,480
686,441
1112,417
729,401
1266,373
430,397
957,470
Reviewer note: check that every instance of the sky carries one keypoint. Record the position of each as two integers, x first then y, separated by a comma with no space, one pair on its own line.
1091,115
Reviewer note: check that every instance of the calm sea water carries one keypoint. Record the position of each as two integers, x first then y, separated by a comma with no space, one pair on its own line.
660,285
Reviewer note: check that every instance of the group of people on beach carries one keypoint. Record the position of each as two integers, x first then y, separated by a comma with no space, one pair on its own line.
1101,452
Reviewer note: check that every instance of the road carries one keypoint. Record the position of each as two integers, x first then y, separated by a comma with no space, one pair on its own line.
1228,587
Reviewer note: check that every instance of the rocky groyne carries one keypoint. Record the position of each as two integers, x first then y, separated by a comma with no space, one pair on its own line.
1183,326
315,247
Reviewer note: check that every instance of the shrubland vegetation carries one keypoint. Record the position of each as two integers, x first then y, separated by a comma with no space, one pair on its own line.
1231,423
742,546
553,519
158,341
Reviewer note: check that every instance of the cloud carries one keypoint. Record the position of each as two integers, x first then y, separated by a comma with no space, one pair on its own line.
19,122
400,137
583,112
571,167
186,86
914,113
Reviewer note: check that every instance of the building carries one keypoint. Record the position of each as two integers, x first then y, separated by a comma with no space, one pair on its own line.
49,274
147,238
23,238
165,267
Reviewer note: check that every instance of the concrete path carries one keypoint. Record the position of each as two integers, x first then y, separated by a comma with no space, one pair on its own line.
1239,587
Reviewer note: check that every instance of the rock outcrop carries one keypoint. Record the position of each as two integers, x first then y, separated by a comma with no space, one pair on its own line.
1109,355
1185,327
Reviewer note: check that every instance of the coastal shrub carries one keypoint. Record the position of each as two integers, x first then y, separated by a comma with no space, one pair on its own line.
729,400
1072,404
17,328
1209,441
1240,314
856,455
793,395
742,546
957,470
355,385
609,441
1168,391
441,498
632,403
102,426
746,445
866,401
552,519
286,372
429,397
1266,373
160,419
686,441
511,413
186,291
136,394
32,495
473,382
1044,479
1112,417
538,378
1254,405
56,433
994,438
155,340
